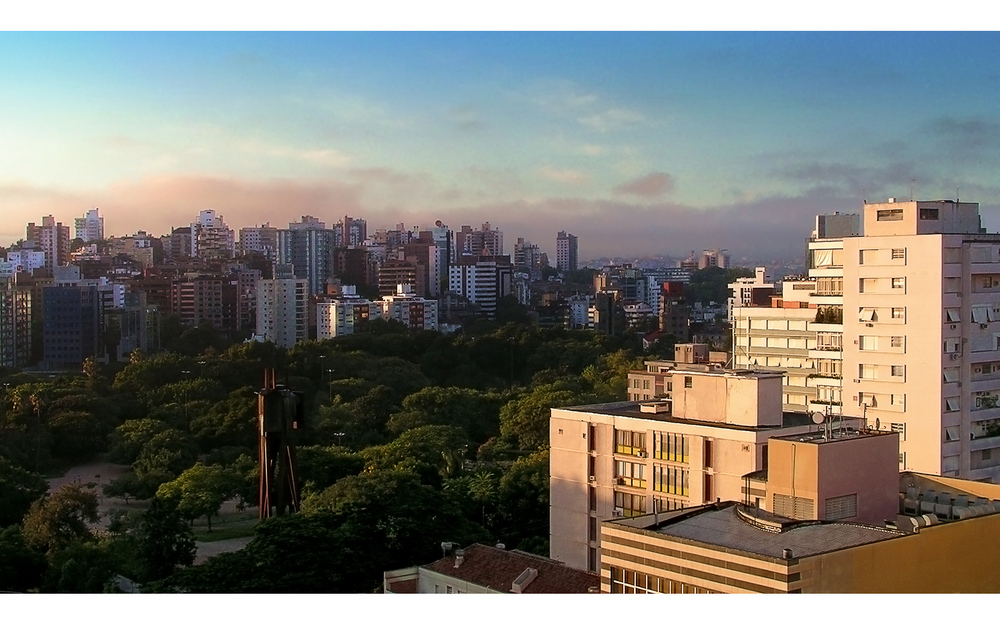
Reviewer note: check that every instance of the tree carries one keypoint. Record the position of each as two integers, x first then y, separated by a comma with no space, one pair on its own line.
526,420
432,452
63,517
77,435
483,490
164,541
130,437
129,486
21,567
167,453
200,491
18,489
523,502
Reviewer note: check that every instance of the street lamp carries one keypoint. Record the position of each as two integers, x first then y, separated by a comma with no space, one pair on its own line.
330,384
340,438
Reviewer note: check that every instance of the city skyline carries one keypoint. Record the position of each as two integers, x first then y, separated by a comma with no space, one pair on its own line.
649,143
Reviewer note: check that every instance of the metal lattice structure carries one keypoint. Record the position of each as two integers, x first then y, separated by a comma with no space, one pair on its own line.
279,413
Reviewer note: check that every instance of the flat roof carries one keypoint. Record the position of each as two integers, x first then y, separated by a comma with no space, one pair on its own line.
836,435
631,409
721,526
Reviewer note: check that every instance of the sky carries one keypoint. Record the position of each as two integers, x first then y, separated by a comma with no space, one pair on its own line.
639,143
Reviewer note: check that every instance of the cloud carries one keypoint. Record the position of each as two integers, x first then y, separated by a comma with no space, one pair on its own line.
651,185
565,176
612,119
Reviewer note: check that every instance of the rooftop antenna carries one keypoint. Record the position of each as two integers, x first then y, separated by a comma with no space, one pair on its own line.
864,194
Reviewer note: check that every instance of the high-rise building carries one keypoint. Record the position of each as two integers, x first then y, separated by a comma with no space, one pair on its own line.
282,311
410,309
71,325
90,227
259,239
308,246
483,280
52,238
566,252
483,242
15,323
344,314
211,238
714,258
921,325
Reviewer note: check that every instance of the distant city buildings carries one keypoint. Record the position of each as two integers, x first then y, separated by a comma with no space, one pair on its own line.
90,227
566,252
52,238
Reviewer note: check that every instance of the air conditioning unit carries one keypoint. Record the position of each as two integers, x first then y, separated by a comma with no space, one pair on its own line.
641,454
870,325
592,478
620,480
956,356
618,512
953,326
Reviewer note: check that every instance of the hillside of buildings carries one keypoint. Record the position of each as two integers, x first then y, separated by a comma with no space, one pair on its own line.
409,440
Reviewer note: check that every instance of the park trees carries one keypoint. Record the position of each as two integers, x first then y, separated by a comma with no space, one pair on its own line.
201,490
61,518
18,489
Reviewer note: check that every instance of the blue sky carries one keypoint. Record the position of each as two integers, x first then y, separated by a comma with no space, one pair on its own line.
639,143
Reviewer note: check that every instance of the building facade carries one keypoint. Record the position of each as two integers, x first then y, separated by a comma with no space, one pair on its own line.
282,311
566,252
90,227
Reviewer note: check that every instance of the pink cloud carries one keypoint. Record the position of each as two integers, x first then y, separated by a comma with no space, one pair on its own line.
650,186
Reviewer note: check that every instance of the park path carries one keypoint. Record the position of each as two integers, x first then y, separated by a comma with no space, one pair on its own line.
100,473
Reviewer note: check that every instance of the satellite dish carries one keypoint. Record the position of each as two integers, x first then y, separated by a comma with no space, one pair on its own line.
877,423
818,418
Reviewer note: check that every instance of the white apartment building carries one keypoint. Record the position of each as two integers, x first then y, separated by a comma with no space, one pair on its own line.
755,291
801,333
211,237
409,309
484,280
281,311
344,314
696,443
90,227
566,251
922,334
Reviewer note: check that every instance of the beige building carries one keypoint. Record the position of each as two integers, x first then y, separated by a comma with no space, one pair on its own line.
922,332
709,429
410,309
344,314
856,529
281,311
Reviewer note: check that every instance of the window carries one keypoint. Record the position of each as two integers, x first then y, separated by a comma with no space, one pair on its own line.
891,214
867,314
630,474
630,503
867,343
707,453
672,447
867,399
951,314
688,381
952,404
670,479
898,253
666,504
951,433
898,313
709,487
898,371
792,507
928,214
631,443
843,507
896,342
979,314
867,372
645,385
899,283
898,400
899,428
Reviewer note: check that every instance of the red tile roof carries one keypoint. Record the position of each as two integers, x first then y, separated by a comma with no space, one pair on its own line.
496,569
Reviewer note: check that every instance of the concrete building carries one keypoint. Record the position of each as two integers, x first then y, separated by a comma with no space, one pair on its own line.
211,238
484,280
410,309
344,314
308,247
52,238
479,569
71,326
566,252
27,259
801,332
209,297
746,292
922,334
90,227
708,428
15,323
849,529
282,311
259,239
714,258
486,241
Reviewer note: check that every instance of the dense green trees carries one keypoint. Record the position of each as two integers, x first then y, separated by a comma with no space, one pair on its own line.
410,439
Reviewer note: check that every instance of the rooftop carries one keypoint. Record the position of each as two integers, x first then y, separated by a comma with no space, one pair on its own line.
722,525
633,409
495,568
834,434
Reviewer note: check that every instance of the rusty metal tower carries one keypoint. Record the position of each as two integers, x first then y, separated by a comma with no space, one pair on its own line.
280,411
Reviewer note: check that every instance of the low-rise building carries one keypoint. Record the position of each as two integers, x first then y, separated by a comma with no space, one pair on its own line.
479,569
